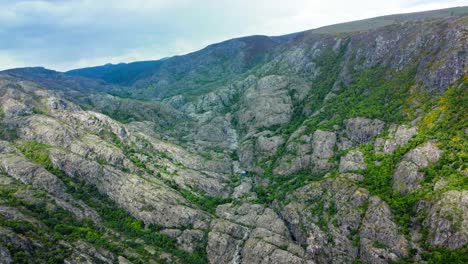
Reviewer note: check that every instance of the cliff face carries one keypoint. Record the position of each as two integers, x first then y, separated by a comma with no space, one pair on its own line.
344,144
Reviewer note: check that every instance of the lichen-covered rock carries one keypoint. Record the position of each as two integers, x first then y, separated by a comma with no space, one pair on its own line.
352,161
423,155
380,239
398,137
30,173
447,220
266,104
5,256
407,176
291,164
362,130
323,143
86,253
153,195
190,239
267,145
217,131
324,217
258,251
253,215
243,189
225,241
251,233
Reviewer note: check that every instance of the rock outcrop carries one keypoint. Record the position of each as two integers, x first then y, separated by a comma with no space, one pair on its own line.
407,176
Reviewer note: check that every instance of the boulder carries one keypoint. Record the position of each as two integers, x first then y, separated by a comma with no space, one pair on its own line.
362,130
352,161
407,177
447,220
399,137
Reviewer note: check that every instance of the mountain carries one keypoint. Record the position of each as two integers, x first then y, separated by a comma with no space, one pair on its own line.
343,144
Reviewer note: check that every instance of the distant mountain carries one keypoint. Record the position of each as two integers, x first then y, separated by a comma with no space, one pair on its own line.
121,74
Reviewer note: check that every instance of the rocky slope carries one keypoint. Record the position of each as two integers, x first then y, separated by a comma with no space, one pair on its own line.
345,144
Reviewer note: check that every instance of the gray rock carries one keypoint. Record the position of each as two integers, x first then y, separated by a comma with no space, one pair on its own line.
423,155
153,195
84,252
123,260
5,256
399,137
244,188
190,239
323,143
223,248
407,176
253,215
266,104
353,160
30,173
381,241
447,220
362,130
267,145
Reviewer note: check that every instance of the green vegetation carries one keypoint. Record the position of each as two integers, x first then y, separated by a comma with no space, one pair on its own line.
372,95
113,217
443,256
449,133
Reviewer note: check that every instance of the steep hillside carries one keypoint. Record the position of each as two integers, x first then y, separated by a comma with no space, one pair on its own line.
344,144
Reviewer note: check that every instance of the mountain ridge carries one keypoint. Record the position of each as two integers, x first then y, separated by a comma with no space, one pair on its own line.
319,148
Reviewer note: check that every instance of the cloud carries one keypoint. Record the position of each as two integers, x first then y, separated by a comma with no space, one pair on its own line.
78,33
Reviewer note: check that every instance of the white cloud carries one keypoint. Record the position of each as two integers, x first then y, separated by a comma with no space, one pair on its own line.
79,33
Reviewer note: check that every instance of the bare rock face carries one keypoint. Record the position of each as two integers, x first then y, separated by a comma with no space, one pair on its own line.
447,220
267,144
381,241
253,215
86,253
423,155
322,216
5,257
188,239
243,189
258,251
225,241
399,137
325,217
291,164
407,176
323,143
154,196
362,130
251,233
21,169
217,131
299,155
352,161
266,104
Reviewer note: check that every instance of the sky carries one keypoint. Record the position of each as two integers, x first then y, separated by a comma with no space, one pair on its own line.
70,34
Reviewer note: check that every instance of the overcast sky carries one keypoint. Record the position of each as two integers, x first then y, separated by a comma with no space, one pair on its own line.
68,34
